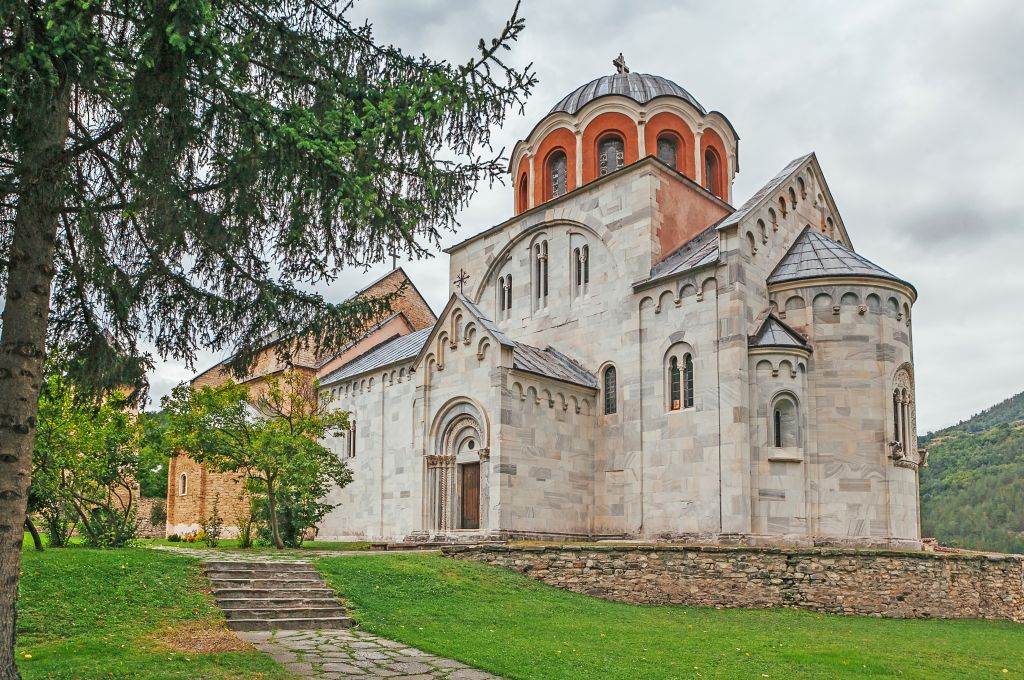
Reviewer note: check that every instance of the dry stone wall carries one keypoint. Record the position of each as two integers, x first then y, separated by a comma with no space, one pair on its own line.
889,583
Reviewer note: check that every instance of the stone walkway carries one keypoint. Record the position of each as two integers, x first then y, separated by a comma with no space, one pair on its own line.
349,653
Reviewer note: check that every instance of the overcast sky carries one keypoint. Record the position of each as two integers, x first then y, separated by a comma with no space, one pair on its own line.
915,109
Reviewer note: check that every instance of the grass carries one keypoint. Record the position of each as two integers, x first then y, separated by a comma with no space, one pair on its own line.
232,544
502,622
130,613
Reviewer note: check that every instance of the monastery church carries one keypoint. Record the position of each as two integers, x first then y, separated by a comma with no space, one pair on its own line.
628,356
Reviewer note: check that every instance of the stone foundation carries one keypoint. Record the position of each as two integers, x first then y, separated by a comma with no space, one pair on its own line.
889,583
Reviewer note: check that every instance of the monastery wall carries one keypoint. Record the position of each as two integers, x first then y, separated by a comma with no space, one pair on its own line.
889,583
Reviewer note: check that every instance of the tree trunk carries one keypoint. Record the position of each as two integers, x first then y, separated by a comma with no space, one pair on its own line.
36,541
272,508
41,127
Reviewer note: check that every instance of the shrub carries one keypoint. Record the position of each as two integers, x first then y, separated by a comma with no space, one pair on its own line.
174,538
213,525
158,513
245,528
110,527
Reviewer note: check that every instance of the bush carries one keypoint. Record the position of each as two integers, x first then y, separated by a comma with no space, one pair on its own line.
213,525
158,513
296,513
245,528
174,538
110,528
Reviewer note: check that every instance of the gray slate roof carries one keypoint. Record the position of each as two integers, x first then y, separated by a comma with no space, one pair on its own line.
814,255
402,348
764,192
774,333
702,249
640,87
552,364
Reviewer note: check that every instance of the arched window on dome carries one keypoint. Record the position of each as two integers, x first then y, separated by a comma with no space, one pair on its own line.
556,175
712,178
523,202
668,149
610,385
611,154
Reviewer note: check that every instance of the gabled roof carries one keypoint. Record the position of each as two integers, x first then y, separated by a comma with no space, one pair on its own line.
765,192
398,349
699,251
551,363
814,255
774,333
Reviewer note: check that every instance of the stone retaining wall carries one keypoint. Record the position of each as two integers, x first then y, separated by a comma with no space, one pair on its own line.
890,583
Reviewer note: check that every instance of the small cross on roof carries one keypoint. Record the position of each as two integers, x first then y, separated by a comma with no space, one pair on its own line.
619,63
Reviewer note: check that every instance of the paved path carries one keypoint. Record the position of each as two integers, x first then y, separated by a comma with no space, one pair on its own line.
355,654
341,653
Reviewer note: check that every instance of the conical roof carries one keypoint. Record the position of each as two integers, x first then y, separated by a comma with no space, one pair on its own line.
814,255
774,333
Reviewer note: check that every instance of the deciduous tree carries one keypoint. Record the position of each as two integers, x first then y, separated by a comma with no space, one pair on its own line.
187,172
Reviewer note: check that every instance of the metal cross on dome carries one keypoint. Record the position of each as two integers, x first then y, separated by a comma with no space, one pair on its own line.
619,63
461,279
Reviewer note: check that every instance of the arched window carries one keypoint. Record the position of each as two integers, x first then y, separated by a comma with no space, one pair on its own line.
674,380
751,245
785,424
508,296
556,174
803,187
792,198
680,382
581,268
711,170
905,418
668,148
774,219
182,484
351,453
540,272
524,200
782,206
610,387
501,297
897,429
764,231
611,154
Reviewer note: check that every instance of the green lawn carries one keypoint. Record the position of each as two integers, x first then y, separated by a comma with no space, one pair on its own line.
505,623
86,613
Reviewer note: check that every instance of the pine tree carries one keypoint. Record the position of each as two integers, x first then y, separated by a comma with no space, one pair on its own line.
186,172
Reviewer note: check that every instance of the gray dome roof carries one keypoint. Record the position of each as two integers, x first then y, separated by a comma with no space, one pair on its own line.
640,87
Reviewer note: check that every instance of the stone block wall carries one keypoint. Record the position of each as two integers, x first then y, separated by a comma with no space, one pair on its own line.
888,583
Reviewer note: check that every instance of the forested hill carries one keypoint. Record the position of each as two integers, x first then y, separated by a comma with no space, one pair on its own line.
972,492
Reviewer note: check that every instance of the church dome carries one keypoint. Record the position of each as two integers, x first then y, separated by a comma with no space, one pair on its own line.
640,87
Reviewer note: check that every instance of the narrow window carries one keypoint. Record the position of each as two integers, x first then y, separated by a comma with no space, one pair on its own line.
544,263
905,417
673,384
352,438
610,397
585,254
610,154
778,428
782,206
557,175
667,150
182,484
711,172
688,381
523,198
537,269
896,431
792,198
803,187
501,297
785,423
577,268
540,272
508,296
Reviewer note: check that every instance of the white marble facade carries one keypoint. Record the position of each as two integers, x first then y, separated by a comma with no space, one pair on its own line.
798,428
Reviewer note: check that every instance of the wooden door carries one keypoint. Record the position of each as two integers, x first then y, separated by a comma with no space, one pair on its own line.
470,495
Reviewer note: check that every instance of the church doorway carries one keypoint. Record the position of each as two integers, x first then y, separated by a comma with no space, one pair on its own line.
457,471
470,473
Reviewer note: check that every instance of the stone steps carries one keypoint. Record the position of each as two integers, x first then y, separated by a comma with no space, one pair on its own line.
274,596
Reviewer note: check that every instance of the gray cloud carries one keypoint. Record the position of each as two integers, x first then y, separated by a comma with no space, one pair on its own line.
913,109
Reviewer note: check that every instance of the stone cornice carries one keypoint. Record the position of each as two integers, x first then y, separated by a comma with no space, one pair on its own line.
813,282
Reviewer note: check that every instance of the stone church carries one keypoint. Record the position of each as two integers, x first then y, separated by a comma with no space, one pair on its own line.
631,356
